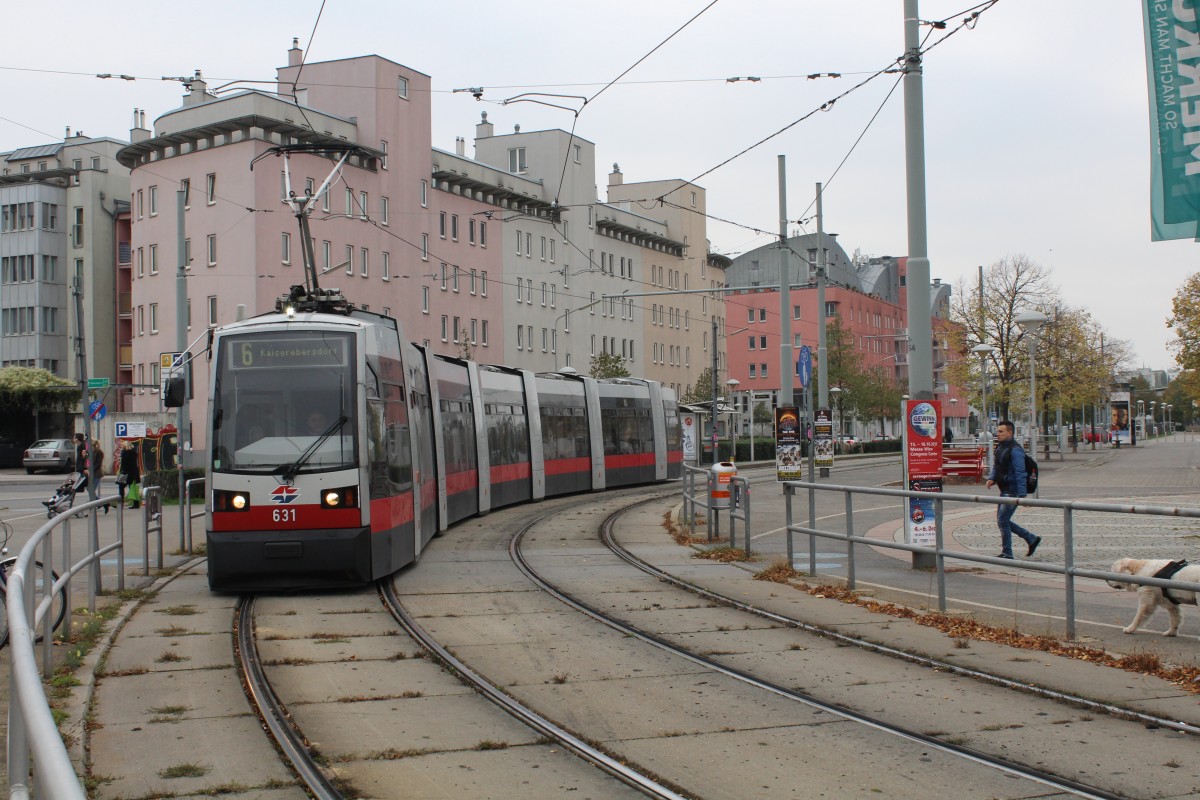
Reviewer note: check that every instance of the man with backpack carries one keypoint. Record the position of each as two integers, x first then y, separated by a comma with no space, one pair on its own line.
1010,474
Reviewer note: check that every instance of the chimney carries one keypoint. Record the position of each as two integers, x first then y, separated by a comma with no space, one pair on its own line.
615,178
484,129
68,136
516,128
197,91
138,132
295,55
460,145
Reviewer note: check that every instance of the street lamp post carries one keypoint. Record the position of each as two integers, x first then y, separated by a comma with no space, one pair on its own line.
985,350
836,391
1153,421
1031,322
1171,420
732,383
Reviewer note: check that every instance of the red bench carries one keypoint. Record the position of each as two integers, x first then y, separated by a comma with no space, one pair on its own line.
963,462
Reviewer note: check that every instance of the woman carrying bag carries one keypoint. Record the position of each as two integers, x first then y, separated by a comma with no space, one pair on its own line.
130,476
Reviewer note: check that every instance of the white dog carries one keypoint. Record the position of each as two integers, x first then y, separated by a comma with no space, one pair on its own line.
1151,597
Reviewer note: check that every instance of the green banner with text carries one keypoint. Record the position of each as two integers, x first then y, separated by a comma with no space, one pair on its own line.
1173,69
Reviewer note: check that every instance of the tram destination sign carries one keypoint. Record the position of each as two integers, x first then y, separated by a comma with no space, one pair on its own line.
273,353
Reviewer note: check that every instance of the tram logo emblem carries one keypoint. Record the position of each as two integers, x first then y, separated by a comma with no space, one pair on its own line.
284,495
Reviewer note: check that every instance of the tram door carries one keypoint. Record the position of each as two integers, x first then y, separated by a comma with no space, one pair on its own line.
421,417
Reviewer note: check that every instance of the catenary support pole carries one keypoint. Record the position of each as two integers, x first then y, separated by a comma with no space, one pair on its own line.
183,438
822,332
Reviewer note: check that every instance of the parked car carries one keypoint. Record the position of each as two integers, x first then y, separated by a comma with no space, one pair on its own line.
1097,433
50,454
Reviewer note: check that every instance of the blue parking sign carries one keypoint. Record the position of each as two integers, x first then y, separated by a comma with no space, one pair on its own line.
96,410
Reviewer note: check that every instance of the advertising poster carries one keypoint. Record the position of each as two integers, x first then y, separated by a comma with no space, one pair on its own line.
788,459
922,467
688,425
1118,412
823,437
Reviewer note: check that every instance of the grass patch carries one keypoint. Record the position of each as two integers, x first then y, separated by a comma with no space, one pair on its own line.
170,657
560,678
490,744
962,644
184,771
287,662
174,630
178,611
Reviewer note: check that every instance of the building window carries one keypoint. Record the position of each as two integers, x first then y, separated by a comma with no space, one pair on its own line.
212,249
444,276
424,194
529,245
210,188
387,266
520,337
185,186
762,370
364,258
153,259
424,246
454,227
402,87
474,280
140,209
471,231
483,234
424,299
483,283
798,340
753,371
543,256
750,315
693,199
518,243
349,259
457,330
383,210
326,254
516,160
154,201
349,202
154,318
762,343
141,261
325,199
795,312
362,205
442,225
383,149
474,331
310,186
212,311
285,248
578,150
445,328
454,280
751,342
483,332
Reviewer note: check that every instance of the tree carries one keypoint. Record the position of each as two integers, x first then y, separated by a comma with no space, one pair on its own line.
608,365
1075,361
702,390
31,390
1185,321
763,415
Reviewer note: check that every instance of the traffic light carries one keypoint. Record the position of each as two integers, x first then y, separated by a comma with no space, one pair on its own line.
176,393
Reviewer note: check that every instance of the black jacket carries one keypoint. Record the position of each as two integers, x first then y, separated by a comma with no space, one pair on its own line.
129,466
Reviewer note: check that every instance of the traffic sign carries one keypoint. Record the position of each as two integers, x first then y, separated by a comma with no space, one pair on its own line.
97,411
130,430
804,366
97,383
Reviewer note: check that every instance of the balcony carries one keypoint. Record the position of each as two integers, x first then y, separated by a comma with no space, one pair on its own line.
125,304
126,356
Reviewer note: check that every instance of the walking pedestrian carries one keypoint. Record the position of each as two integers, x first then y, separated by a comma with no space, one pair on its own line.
129,478
1008,472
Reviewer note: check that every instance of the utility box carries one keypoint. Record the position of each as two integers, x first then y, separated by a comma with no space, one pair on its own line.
723,474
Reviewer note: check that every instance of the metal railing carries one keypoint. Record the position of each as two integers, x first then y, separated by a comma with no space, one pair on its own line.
1068,569
152,523
37,755
189,514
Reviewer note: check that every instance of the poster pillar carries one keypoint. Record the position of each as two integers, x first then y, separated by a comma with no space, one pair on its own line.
922,473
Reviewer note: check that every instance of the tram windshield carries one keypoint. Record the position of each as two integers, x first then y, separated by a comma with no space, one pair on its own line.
284,401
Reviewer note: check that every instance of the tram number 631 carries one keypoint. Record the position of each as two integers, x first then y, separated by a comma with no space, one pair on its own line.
283,515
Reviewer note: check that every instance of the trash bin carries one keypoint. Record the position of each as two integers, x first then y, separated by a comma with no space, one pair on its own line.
723,472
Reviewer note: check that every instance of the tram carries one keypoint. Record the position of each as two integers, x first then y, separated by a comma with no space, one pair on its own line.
338,449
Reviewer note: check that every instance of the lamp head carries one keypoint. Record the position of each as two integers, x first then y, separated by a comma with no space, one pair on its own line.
983,349
1031,321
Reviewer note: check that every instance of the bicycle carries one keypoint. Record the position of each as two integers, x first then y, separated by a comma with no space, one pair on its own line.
58,607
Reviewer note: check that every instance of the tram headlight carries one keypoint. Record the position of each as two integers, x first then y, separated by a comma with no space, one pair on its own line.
225,500
345,497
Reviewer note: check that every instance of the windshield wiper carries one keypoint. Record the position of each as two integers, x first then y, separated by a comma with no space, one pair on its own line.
290,472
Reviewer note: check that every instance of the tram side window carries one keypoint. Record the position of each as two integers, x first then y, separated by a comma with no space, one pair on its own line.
399,453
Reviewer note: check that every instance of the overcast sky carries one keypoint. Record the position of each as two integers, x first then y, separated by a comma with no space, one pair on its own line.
1037,136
